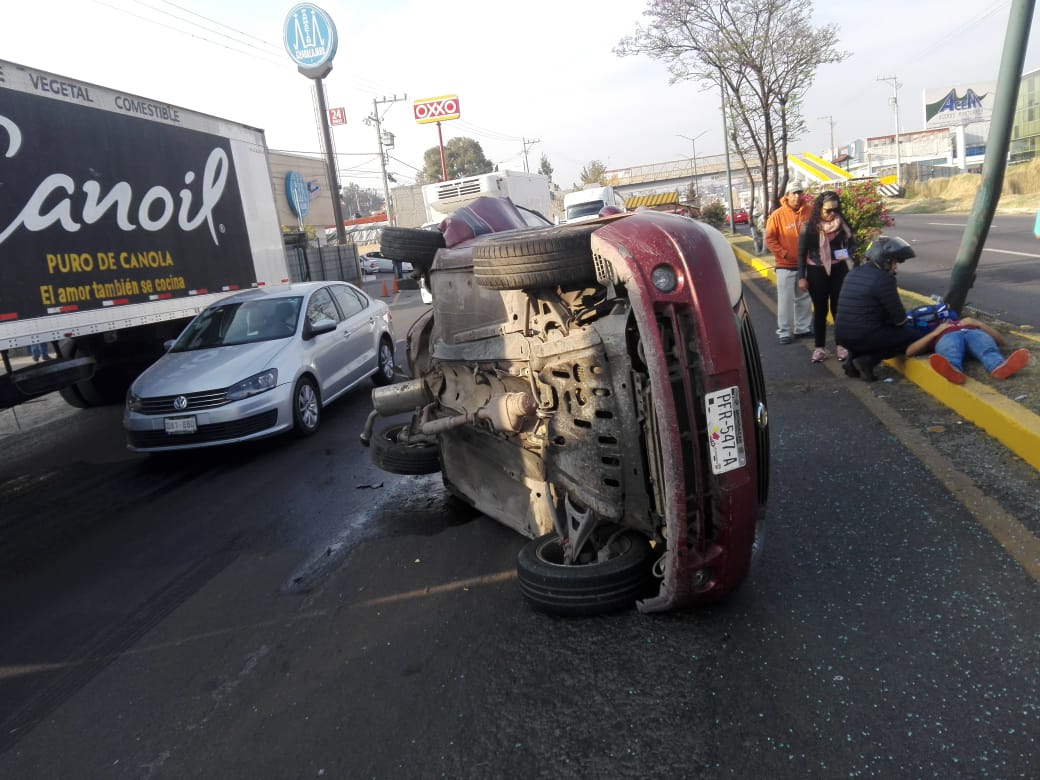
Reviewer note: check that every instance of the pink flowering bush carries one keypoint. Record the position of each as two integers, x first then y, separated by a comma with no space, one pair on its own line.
864,209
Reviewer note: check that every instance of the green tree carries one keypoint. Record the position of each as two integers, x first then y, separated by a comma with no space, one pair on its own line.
544,168
357,200
591,174
462,157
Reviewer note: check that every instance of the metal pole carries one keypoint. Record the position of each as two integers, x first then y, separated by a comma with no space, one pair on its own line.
894,81
440,145
729,172
997,145
330,163
382,162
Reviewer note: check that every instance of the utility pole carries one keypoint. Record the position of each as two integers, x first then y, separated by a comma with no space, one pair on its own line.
830,121
375,119
527,144
895,103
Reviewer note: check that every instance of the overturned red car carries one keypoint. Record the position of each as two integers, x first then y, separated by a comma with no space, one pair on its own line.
597,387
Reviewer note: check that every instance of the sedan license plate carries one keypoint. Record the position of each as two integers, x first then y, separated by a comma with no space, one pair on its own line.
180,424
725,433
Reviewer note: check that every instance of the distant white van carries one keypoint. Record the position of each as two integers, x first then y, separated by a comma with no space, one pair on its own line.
585,204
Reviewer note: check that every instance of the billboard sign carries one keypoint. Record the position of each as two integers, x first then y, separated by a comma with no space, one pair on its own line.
960,105
132,210
296,192
436,109
311,40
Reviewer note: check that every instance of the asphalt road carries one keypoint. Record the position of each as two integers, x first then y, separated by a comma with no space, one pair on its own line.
287,610
1007,278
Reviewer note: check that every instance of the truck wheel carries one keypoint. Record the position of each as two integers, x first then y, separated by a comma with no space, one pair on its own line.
543,258
584,589
72,397
412,245
397,457
306,407
384,375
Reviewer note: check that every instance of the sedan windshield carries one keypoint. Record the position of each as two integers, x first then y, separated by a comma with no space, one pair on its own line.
241,322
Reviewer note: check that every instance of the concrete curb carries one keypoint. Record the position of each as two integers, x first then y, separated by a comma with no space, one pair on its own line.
1014,426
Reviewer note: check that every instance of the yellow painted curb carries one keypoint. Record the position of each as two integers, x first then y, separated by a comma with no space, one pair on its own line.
1011,424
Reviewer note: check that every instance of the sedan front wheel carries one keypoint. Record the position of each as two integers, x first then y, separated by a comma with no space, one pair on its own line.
590,588
306,407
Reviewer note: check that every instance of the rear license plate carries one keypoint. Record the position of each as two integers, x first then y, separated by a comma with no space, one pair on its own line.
725,433
180,424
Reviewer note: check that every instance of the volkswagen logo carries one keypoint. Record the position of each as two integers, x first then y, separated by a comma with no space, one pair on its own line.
180,403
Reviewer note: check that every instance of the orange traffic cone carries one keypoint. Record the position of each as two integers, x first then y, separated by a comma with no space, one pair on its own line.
385,293
395,288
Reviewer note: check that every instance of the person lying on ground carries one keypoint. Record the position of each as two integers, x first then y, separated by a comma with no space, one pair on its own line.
968,337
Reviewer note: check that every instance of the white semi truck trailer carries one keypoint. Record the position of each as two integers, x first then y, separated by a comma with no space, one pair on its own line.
121,218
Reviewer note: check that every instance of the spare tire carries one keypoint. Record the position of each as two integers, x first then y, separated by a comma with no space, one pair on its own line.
538,258
412,245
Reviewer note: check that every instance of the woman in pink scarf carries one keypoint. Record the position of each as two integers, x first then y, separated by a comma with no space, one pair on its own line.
825,247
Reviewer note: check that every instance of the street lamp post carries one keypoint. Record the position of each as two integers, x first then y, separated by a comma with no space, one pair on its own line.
693,143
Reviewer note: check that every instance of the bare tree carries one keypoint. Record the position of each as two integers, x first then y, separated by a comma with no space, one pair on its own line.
763,55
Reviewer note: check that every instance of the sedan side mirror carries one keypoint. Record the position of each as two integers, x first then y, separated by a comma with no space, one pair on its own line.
310,330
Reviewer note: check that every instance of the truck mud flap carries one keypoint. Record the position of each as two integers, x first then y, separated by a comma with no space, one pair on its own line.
33,381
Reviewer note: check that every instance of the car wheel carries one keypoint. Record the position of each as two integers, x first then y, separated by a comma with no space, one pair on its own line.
544,258
594,588
306,407
384,375
397,457
412,245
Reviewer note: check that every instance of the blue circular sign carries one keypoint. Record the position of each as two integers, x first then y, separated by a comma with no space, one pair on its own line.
310,36
296,193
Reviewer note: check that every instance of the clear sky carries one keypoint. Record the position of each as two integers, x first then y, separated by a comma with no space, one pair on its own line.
541,70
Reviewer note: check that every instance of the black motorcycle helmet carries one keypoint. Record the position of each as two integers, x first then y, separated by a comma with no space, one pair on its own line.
885,251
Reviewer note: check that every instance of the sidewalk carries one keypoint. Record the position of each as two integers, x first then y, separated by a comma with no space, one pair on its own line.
1010,423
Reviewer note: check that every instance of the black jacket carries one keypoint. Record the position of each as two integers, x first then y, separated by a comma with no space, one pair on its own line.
869,302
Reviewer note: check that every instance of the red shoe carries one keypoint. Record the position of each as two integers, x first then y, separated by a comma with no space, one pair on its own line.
1015,362
945,369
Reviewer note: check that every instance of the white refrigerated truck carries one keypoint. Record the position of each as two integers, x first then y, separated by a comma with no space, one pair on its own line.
121,218
527,190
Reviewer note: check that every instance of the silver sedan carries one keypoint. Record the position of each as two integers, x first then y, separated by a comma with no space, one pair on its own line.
260,363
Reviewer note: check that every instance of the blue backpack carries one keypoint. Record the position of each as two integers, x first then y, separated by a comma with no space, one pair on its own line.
926,318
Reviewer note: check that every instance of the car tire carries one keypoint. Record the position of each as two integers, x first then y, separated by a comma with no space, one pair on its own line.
306,407
392,455
549,257
384,375
551,586
411,245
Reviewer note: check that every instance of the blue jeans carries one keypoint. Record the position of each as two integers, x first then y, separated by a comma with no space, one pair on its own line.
973,342
39,352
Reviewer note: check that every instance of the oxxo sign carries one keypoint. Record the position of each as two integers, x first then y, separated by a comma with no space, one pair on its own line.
436,109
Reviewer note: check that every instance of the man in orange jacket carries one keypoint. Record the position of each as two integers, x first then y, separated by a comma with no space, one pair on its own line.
793,306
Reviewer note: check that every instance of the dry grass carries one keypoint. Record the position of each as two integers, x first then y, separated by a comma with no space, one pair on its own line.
957,193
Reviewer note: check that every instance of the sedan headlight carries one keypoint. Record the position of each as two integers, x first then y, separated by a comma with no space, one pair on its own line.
133,403
258,383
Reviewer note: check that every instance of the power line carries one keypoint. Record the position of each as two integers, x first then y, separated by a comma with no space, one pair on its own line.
228,26
157,23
